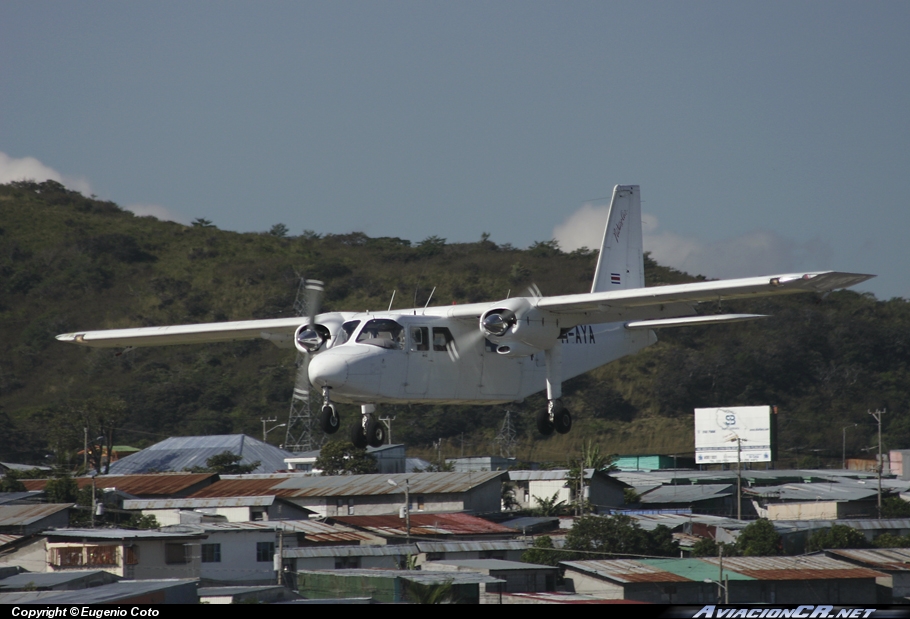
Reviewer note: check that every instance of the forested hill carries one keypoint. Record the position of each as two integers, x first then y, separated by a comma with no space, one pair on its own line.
68,262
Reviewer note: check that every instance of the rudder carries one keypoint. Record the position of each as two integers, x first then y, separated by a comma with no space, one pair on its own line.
620,265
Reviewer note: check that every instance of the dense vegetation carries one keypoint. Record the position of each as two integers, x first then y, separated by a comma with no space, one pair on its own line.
70,262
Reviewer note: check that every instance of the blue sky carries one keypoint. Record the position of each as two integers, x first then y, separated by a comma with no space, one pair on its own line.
766,136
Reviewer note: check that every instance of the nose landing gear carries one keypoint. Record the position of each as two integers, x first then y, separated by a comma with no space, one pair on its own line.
329,420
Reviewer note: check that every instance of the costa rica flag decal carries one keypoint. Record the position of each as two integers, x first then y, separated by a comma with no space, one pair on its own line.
615,278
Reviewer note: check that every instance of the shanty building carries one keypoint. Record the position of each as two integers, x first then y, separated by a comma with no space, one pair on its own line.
439,526
232,509
350,495
808,579
126,553
148,486
601,490
895,562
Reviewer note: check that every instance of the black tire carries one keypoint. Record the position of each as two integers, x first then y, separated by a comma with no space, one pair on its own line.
375,432
329,420
357,436
544,425
562,421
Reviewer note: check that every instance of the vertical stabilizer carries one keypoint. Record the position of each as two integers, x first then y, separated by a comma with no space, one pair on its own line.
620,265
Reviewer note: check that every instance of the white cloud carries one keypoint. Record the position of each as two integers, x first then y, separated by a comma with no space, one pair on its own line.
758,252
29,168
156,211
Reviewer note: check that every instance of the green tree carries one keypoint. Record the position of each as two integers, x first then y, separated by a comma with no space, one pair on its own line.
590,458
759,539
507,497
607,537
542,552
888,540
139,521
838,536
343,458
61,489
441,593
11,483
225,463
895,507
706,547
202,222
279,230
549,506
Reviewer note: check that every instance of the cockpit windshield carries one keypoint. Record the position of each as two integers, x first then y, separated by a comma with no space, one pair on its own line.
382,332
347,329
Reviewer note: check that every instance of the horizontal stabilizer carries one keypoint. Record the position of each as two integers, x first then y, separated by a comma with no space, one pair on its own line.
692,321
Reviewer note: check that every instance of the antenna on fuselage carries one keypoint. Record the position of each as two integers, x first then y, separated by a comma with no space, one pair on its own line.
392,299
427,304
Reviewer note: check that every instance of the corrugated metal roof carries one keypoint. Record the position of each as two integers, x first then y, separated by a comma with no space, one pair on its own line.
891,559
313,552
418,576
863,524
687,494
112,592
242,501
11,497
21,515
8,539
297,485
48,579
625,571
118,534
138,485
182,452
693,569
548,475
426,524
487,564
805,567
831,491
531,522
506,544
322,532
649,522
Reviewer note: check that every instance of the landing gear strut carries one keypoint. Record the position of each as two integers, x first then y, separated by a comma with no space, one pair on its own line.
555,417
369,430
329,420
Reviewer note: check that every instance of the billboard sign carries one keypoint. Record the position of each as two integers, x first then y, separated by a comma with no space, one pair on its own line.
717,430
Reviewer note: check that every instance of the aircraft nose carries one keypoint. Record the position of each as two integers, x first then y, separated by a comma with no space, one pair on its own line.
328,370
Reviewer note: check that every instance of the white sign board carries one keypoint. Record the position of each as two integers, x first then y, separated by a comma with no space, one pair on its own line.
717,430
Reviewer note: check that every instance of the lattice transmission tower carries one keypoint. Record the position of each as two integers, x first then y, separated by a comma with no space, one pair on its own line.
301,435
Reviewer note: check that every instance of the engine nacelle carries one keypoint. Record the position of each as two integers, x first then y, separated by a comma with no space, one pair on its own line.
323,335
518,329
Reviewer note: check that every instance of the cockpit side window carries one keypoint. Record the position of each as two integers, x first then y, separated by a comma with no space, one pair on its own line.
382,332
347,329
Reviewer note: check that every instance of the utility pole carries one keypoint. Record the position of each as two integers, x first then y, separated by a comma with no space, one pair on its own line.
387,421
877,415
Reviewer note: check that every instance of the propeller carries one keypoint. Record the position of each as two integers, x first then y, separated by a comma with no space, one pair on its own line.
309,338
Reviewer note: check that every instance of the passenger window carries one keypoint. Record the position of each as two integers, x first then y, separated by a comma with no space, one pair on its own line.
441,338
420,338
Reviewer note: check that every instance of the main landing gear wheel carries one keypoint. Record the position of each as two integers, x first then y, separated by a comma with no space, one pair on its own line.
357,436
329,420
562,420
375,432
544,425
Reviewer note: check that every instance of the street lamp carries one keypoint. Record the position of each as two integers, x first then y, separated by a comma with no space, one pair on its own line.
265,432
739,474
407,507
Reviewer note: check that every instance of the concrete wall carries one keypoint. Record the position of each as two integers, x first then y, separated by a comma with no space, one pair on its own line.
238,557
31,556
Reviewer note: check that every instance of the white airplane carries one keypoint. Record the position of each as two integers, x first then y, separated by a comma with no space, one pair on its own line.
486,353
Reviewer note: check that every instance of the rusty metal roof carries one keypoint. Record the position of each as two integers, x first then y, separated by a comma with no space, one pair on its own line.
312,552
805,567
297,485
891,559
625,571
243,501
426,524
19,515
153,484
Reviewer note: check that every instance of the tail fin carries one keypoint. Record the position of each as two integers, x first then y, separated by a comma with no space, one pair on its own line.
620,265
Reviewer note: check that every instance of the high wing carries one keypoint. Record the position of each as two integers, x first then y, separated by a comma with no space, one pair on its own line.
275,329
641,304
